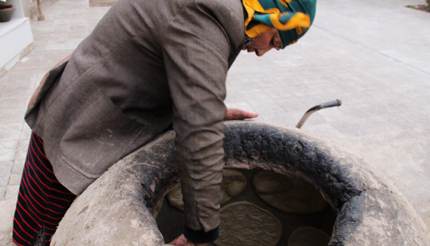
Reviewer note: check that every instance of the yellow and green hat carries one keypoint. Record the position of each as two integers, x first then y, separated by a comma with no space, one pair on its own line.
292,18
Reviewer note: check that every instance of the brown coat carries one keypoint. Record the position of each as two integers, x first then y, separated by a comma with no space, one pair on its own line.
147,65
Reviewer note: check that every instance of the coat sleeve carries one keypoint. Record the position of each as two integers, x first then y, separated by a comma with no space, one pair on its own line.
195,55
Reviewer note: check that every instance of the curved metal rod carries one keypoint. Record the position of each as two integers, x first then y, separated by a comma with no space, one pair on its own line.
334,103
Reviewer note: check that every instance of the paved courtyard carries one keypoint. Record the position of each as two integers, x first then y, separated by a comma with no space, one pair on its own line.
374,56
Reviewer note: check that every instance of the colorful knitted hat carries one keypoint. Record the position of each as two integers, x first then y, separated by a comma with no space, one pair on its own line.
291,17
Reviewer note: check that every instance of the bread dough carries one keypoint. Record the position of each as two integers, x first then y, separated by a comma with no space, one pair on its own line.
243,223
290,194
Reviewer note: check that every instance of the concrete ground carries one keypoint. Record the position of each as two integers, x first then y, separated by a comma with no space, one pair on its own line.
375,56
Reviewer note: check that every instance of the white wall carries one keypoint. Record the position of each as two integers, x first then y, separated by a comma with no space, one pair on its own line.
15,36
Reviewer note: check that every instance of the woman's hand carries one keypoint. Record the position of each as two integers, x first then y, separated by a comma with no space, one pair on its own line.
182,241
238,114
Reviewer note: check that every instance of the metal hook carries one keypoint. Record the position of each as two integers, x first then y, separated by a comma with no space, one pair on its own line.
334,103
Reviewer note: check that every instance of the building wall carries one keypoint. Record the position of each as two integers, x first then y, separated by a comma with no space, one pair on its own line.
16,35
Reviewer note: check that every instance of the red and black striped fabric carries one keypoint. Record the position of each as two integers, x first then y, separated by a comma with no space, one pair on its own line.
42,200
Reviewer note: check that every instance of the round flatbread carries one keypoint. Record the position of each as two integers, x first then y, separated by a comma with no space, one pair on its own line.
243,223
290,194
174,197
234,182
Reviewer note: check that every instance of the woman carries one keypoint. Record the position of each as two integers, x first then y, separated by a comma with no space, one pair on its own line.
148,65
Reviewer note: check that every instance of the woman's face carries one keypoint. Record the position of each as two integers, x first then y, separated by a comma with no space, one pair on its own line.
264,42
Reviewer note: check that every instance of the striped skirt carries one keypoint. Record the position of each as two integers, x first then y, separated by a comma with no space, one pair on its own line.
42,200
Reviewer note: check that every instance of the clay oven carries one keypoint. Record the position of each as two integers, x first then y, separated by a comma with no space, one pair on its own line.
270,174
